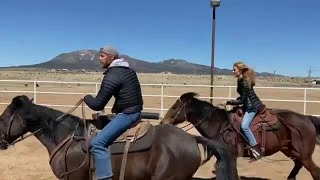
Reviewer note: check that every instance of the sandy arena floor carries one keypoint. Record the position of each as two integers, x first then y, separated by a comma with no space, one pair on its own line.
28,160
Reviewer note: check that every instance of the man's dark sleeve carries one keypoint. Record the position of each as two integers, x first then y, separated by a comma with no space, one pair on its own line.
109,86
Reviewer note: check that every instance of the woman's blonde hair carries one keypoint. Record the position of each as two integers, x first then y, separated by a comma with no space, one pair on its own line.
247,72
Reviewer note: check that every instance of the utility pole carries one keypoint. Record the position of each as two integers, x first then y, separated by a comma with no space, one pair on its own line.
309,74
214,4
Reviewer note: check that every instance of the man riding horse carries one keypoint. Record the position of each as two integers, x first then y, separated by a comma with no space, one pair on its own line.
121,82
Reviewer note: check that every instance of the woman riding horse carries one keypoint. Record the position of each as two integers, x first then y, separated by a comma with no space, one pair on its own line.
250,101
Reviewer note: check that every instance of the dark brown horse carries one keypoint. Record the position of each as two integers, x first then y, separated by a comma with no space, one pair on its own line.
173,155
291,133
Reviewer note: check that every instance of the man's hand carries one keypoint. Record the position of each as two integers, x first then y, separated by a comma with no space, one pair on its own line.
82,97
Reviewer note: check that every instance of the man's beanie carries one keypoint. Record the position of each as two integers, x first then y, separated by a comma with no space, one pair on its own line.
109,50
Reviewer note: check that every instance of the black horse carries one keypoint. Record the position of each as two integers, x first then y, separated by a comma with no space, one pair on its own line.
293,134
173,155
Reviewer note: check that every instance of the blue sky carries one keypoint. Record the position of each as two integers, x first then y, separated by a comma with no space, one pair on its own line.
267,35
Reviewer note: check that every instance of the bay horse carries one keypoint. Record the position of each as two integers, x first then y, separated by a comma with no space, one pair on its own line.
283,130
173,154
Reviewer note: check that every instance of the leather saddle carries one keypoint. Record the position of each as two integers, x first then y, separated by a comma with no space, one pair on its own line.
265,120
136,139
140,135
262,120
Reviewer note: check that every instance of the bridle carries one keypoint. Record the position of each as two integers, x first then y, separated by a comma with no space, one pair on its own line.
8,130
59,119
183,106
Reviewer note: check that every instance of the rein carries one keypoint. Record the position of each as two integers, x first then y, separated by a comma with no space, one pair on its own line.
60,145
69,139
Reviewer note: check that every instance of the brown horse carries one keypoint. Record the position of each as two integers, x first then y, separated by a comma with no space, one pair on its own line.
173,154
291,133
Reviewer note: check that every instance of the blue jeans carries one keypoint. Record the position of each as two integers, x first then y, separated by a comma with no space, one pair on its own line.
245,126
100,144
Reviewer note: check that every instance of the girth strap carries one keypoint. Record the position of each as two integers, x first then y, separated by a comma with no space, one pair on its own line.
125,155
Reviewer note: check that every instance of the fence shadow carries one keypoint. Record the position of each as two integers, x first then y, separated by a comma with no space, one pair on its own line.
242,178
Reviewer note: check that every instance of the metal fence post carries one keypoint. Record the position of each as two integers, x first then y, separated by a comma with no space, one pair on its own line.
305,101
161,111
229,96
35,92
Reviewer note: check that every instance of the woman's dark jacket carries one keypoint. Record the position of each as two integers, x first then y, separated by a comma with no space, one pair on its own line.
248,97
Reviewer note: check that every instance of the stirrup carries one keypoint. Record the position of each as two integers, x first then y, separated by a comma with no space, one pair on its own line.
255,154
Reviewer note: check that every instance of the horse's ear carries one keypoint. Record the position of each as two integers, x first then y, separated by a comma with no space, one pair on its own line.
31,99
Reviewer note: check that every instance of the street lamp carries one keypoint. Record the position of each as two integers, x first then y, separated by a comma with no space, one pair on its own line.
214,5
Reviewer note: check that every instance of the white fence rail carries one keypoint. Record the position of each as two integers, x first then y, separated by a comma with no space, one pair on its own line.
162,96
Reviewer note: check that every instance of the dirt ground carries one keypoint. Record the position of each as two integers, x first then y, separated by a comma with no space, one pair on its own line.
28,160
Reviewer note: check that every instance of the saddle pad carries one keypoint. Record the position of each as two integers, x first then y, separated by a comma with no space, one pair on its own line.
141,144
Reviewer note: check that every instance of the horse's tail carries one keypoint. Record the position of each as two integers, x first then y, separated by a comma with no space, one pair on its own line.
316,122
227,165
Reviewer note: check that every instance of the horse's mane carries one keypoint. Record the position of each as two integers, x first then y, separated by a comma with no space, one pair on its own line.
49,116
201,108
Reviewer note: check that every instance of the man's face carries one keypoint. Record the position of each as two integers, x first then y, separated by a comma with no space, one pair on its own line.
105,59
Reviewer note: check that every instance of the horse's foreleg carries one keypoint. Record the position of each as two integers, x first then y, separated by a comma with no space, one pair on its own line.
216,167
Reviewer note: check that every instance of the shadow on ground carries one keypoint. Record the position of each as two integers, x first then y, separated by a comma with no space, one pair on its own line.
242,178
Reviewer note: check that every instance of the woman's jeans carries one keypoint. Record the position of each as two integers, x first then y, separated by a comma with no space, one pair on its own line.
245,126
100,144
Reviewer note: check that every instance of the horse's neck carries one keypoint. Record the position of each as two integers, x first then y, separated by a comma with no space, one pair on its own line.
51,143
54,133
211,127
47,142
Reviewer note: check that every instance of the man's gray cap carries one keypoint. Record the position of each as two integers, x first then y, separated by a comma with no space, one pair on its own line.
109,50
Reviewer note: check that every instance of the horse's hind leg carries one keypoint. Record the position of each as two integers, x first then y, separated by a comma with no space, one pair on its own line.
312,168
297,163
297,166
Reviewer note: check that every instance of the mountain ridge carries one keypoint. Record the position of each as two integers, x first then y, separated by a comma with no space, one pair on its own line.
89,60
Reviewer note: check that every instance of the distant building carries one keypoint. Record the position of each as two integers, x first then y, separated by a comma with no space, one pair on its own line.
316,81
52,70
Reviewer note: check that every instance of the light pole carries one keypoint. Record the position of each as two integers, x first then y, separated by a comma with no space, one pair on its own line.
214,5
